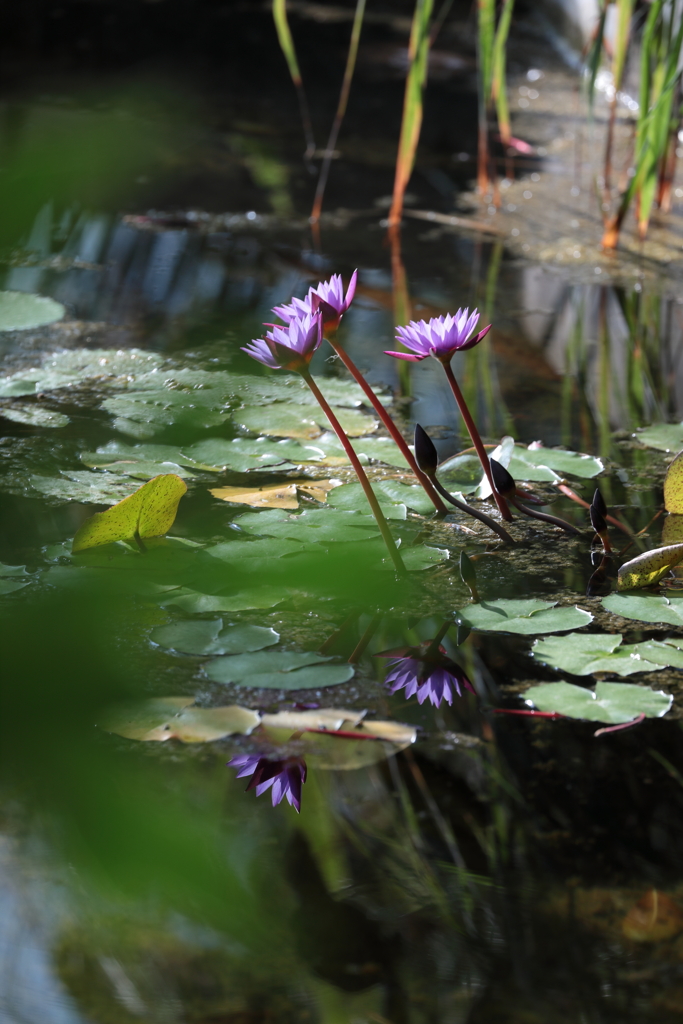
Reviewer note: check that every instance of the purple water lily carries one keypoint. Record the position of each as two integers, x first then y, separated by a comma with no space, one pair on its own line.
328,298
283,777
429,674
441,338
290,347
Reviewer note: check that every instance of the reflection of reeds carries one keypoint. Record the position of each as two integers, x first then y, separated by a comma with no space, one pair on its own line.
491,49
284,35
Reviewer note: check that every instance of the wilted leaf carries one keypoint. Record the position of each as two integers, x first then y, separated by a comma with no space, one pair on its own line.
647,569
588,653
165,718
646,607
149,512
526,616
33,415
613,703
279,496
319,718
20,311
673,486
208,636
279,670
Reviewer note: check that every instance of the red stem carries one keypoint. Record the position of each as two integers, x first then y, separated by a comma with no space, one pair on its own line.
389,424
617,728
533,714
360,473
476,440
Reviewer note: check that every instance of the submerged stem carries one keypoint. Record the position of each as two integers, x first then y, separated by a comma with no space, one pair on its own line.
476,440
544,517
389,424
360,473
481,516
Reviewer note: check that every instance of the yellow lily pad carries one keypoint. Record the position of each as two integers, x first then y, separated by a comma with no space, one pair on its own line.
646,569
165,718
673,486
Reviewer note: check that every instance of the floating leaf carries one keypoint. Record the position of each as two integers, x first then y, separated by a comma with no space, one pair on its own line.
279,670
647,607
214,455
165,718
33,415
12,578
278,496
320,718
558,461
285,420
461,473
209,636
418,557
673,486
82,486
352,496
312,526
20,311
10,586
613,703
64,369
667,437
586,654
248,599
149,512
335,753
648,568
526,616
242,550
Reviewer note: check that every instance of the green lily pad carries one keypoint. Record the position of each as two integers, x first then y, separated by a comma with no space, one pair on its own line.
82,486
525,616
65,369
312,526
33,416
530,465
20,311
647,607
12,578
195,603
165,718
612,703
667,437
209,636
418,557
352,496
586,654
286,420
148,512
279,670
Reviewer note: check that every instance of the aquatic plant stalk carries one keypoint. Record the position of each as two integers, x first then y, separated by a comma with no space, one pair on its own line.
387,421
339,116
286,41
506,486
476,440
411,124
360,473
623,725
498,82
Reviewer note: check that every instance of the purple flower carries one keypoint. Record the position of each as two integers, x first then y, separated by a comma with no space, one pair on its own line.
441,337
290,347
285,776
427,673
328,298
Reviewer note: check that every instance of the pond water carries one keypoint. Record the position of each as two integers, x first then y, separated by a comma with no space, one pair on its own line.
450,863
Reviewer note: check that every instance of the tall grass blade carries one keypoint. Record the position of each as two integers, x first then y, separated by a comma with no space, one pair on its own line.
411,124
341,110
286,41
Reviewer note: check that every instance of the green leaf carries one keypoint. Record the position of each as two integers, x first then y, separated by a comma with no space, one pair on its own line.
461,473
526,616
33,416
64,369
673,486
648,568
559,462
312,526
149,512
667,437
165,718
352,496
612,703
12,578
214,455
646,607
285,420
418,557
586,654
279,670
195,603
9,586
82,486
208,636
20,311
412,495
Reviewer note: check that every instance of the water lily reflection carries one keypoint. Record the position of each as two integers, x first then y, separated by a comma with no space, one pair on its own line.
426,672
284,777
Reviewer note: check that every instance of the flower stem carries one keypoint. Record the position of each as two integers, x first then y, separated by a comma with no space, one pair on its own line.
476,440
360,473
389,424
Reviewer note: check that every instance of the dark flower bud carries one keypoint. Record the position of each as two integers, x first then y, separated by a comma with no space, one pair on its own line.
597,519
598,503
468,574
425,452
502,480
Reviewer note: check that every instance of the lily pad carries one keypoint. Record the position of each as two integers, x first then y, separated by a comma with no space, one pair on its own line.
667,437
13,578
312,526
320,718
612,703
285,420
276,496
279,670
165,718
352,496
209,636
673,486
64,369
525,616
649,567
82,486
149,512
647,607
588,653
20,311
33,415
337,753
195,603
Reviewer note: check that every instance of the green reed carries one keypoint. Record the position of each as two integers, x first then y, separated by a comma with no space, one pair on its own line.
284,35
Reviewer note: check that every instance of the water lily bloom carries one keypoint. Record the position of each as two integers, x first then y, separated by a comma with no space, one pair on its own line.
283,777
425,672
290,347
328,298
441,338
